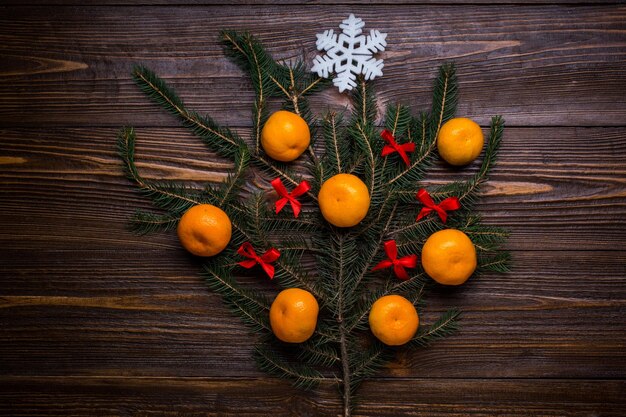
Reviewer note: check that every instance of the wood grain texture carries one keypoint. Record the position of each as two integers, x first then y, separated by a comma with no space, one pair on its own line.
401,3
146,313
226,397
97,321
549,188
549,65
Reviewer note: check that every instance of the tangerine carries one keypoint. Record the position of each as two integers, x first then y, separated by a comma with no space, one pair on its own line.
285,136
393,320
344,200
293,315
449,257
204,230
460,141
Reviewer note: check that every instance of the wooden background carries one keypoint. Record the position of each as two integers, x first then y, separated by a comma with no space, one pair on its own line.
96,322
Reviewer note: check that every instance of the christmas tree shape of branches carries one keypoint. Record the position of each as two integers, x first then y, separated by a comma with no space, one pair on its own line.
342,350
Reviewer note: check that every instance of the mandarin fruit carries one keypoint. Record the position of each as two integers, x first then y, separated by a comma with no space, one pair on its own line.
293,315
449,257
204,230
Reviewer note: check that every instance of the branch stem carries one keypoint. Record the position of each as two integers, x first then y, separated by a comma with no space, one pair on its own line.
345,365
343,342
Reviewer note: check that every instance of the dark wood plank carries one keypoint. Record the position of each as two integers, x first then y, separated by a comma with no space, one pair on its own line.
291,2
226,397
558,188
147,312
550,65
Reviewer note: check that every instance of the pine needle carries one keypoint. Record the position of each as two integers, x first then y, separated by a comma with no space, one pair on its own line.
444,326
175,199
250,307
143,223
302,376
220,140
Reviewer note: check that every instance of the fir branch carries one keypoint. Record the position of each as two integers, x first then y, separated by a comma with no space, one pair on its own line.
302,225
337,147
467,191
263,224
280,87
362,135
250,55
283,171
318,354
485,238
295,82
249,306
417,134
289,274
397,119
173,198
364,104
345,364
294,93
408,177
362,130
371,249
318,174
413,234
260,116
235,180
366,363
143,223
491,153
444,326
301,375
344,284
359,313
239,221
315,85
220,140
499,262
344,252
270,79
257,209
445,97
344,255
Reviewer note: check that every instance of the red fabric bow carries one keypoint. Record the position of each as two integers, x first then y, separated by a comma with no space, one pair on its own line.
391,250
302,188
392,146
264,260
449,204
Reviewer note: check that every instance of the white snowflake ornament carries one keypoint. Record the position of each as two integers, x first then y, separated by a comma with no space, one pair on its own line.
349,53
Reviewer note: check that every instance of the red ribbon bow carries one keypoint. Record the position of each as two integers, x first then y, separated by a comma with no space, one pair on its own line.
264,260
302,188
449,204
392,146
391,250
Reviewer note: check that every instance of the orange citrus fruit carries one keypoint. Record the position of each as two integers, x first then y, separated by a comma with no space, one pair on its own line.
460,141
293,315
393,320
285,136
204,230
344,200
449,257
